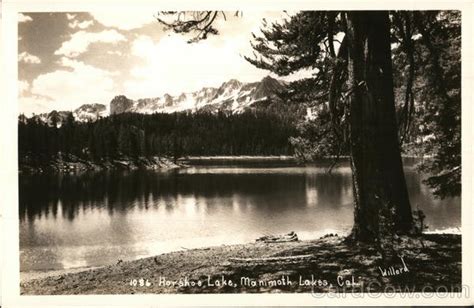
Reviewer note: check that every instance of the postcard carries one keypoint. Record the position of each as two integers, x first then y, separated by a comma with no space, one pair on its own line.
235,153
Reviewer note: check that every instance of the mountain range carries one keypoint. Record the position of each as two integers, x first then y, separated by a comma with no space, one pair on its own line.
232,96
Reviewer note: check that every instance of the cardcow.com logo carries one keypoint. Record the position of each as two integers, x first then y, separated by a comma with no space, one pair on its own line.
362,290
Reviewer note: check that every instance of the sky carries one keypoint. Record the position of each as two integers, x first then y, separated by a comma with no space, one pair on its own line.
69,59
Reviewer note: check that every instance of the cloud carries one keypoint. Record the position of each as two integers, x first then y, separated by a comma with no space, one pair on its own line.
33,104
174,66
80,41
24,18
124,20
81,25
114,52
70,88
28,58
23,86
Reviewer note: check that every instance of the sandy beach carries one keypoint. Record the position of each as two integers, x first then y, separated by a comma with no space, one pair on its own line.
329,264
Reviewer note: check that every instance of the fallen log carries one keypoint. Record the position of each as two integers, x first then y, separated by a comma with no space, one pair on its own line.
285,259
290,237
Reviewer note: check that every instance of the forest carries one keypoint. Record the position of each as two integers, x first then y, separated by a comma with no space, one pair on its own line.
170,135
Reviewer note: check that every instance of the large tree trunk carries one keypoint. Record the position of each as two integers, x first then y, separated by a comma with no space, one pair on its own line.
381,198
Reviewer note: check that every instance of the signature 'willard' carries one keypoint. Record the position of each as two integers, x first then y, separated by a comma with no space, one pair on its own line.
393,271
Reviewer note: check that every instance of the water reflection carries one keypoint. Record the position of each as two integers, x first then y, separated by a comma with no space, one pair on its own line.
95,218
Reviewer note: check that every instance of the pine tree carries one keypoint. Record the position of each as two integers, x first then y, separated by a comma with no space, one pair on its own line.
359,95
353,49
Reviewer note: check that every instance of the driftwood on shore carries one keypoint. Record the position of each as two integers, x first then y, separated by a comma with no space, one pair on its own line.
290,237
272,260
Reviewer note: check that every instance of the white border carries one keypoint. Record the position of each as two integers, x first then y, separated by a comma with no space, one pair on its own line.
8,155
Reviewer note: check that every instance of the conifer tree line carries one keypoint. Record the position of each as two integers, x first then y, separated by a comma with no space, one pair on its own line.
171,135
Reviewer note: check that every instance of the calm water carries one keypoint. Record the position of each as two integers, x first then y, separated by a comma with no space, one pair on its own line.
93,219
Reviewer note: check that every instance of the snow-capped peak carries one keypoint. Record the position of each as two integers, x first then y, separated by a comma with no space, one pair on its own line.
232,95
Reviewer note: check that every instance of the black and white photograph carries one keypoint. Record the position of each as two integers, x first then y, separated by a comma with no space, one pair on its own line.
291,151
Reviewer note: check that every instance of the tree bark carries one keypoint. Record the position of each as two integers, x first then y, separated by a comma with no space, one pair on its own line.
382,206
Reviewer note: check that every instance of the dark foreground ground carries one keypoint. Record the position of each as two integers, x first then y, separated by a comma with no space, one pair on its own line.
433,263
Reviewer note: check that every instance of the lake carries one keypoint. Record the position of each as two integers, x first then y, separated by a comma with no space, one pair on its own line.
92,219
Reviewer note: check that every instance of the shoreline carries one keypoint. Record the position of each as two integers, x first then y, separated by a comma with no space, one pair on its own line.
62,163
35,274
430,258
